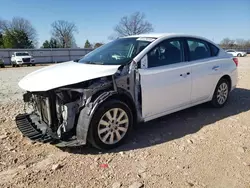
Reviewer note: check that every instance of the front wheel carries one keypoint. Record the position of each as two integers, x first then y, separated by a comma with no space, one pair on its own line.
110,125
239,55
221,93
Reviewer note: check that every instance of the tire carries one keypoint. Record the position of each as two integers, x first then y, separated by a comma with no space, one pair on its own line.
2,65
98,131
33,64
239,55
221,93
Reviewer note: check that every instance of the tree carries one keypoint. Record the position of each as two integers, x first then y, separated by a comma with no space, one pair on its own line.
1,40
227,43
248,44
133,25
46,44
242,43
18,32
98,44
52,43
63,31
17,39
87,44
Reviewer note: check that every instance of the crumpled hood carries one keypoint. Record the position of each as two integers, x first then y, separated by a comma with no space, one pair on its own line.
64,74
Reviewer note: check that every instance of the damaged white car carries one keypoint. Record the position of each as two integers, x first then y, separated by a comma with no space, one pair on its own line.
99,98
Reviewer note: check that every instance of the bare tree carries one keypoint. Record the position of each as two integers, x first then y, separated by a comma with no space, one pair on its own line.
19,24
133,25
227,43
63,31
241,43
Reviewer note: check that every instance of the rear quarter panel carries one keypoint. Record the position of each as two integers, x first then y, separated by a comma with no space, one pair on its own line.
227,67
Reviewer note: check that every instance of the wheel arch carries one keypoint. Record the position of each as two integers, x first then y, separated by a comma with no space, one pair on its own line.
86,114
228,78
225,76
125,97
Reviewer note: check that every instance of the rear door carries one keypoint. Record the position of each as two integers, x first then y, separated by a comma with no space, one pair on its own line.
165,80
206,68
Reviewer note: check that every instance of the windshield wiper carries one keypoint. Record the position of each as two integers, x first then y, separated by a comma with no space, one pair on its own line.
95,63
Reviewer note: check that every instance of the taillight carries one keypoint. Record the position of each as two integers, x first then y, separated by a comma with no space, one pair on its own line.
235,59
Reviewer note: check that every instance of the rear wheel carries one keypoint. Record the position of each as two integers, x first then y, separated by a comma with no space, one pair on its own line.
33,64
2,65
221,93
110,125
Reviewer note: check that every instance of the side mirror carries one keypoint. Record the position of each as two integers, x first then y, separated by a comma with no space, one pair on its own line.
144,62
12,56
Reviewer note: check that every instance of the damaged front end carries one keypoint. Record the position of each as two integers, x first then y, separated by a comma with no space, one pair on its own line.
52,115
62,116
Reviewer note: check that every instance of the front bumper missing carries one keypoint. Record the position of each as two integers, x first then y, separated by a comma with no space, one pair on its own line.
34,130
30,130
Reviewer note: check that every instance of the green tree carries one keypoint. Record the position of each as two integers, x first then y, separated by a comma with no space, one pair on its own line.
16,39
46,44
87,44
18,33
1,40
52,43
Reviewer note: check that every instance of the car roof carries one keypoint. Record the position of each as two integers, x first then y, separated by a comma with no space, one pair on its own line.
169,35
161,35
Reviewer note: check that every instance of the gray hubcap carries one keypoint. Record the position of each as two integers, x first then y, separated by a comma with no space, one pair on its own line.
222,93
113,126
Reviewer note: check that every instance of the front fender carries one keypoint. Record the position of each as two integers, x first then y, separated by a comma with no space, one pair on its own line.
87,113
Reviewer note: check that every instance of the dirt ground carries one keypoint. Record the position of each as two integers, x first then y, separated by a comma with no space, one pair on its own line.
197,147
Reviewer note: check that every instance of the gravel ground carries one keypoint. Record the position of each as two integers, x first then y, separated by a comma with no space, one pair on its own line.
197,147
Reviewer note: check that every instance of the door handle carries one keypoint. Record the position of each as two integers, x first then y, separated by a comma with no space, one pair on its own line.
215,68
184,75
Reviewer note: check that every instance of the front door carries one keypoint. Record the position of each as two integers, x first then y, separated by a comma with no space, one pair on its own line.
166,82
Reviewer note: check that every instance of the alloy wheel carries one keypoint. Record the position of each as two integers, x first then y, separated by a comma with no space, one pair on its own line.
222,93
113,126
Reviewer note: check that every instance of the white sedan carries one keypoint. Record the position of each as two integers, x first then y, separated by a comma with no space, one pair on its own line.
236,53
132,79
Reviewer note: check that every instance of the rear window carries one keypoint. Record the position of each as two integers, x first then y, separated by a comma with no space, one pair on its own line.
198,49
214,50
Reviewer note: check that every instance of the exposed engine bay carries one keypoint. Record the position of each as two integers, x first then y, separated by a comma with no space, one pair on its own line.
63,115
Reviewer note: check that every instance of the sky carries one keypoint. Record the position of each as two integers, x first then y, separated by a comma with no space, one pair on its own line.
95,19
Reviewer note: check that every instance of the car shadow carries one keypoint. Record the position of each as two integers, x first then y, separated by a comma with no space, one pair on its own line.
178,124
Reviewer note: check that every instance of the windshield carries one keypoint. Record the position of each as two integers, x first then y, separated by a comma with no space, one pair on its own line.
117,52
22,54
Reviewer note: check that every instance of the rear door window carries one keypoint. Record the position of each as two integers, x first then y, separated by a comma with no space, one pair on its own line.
198,49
